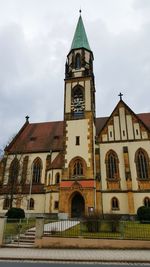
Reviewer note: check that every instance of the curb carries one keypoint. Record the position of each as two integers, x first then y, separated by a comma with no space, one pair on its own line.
72,260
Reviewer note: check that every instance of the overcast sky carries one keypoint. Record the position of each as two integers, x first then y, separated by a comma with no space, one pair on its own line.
35,37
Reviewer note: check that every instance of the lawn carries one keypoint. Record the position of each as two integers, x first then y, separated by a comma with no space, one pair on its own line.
123,230
102,229
15,227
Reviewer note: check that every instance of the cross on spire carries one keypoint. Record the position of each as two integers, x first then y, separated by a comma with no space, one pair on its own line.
120,95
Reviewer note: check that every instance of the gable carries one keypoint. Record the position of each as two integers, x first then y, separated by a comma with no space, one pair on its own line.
124,125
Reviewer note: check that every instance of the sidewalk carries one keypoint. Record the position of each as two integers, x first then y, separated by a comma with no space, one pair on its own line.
75,255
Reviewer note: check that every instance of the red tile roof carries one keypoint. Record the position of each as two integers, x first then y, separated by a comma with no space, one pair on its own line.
46,136
57,163
145,117
38,137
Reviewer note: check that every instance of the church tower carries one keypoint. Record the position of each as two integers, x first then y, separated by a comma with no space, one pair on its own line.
78,187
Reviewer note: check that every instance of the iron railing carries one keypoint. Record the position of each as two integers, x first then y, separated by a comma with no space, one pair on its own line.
98,229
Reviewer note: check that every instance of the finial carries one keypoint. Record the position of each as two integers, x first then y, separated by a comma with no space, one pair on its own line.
27,118
120,95
80,11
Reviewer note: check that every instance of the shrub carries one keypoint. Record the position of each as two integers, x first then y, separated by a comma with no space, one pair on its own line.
15,213
143,213
93,222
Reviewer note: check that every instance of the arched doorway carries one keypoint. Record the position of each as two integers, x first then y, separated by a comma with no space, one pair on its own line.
77,206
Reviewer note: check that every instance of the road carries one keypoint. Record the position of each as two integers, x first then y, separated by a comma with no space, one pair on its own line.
46,264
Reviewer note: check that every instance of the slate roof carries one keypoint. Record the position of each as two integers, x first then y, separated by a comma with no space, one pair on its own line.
46,136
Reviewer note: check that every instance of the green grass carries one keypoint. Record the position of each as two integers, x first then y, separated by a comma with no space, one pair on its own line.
136,230
125,230
14,227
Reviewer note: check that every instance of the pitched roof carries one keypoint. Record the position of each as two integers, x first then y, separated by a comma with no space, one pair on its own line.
145,117
57,163
80,39
38,137
46,136
102,122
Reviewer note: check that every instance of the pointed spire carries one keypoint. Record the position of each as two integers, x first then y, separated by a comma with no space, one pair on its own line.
80,38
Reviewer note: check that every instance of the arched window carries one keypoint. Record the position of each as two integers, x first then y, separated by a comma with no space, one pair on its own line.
57,178
114,204
31,204
142,164
14,171
77,104
78,168
37,170
146,202
112,165
6,203
78,61
78,93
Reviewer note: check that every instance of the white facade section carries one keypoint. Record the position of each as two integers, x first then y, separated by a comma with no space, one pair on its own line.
87,96
111,132
137,131
130,127
118,148
123,203
77,128
123,123
117,128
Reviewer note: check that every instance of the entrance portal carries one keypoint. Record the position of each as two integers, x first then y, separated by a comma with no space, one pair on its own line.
77,206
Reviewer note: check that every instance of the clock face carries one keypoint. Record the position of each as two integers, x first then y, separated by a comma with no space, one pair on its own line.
77,105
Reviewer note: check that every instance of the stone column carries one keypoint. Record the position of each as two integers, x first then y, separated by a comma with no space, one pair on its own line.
2,227
39,227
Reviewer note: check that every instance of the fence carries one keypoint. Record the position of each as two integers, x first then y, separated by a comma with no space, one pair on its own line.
98,229
16,229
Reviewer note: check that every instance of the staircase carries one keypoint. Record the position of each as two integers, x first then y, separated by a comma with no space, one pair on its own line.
24,240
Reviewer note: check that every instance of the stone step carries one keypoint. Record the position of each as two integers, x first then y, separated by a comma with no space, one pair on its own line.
22,245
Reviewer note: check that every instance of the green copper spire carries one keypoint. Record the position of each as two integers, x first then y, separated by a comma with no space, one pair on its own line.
80,38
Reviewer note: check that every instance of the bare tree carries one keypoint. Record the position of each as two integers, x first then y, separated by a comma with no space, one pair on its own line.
13,175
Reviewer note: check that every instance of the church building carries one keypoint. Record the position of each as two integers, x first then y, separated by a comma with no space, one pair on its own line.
83,164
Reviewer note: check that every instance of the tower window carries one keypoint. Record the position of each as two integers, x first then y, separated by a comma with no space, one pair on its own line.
77,140
78,104
78,61
78,168
56,205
